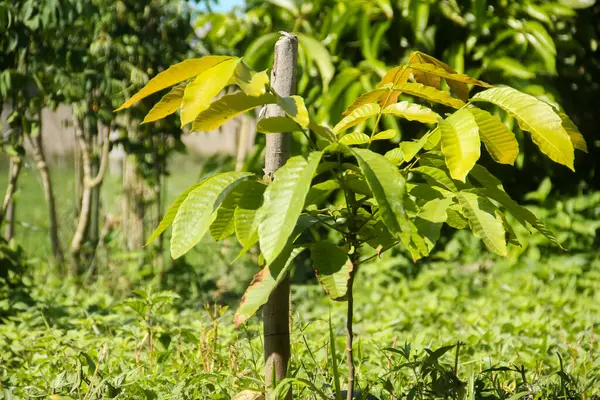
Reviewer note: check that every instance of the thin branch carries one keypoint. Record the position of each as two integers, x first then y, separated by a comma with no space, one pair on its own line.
103,160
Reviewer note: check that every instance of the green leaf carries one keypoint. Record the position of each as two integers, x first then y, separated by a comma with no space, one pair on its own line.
431,79
435,210
437,175
246,223
224,224
172,212
167,105
455,217
573,132
460,143
498,140
449,76
333,268
316,51
277,125
295,108
228,107
283,202
396,156
429,93
412,112
357,116
481,214
200,92
252,83
388,187
174,74
196,213
367,98
535,117
494,190
385,135
263,284
321,191
425,235
355,138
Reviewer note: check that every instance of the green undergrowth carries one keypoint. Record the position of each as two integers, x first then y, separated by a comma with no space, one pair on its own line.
527,329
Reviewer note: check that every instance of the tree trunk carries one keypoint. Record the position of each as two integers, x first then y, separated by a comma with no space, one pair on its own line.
276,311
93,230
42,166
134,205
89,182
7,214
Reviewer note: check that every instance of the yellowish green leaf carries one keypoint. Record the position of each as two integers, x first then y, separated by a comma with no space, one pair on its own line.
485,224
355,138
252,83
460,143
295,108
430,94
167,105
574,134
357,116
228,107
174,74
385,135
277,125
367,98
200,92
535,117
412,112
498,140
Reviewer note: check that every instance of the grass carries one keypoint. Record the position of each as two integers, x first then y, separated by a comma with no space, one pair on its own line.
527,325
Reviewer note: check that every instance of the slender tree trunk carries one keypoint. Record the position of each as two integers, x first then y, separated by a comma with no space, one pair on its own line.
7,214
93,230
40,161
350,336
89,182
134,207
276,312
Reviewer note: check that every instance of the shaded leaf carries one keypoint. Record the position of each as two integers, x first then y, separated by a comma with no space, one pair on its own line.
283,202
388,187
367,98
196,212
333,268
246,223
295,108
573,132
277,125
481,214
315,50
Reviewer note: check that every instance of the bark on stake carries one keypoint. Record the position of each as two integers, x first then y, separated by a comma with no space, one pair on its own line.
276,311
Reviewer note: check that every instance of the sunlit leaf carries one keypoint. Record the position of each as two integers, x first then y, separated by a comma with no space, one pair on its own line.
223,225
355,138
498,140
574,134
228,107
460,143
367,98
385,135
252,83
167,105
295,108
174,74
460,88
435,210
357,116
535,117
412,112
200,92
429,93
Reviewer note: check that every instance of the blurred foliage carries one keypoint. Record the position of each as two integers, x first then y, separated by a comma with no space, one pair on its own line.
545,48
